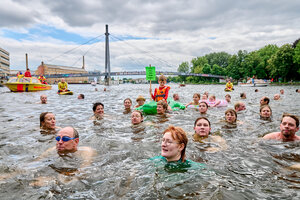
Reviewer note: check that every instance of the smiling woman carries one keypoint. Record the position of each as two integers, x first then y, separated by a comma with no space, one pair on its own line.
173,147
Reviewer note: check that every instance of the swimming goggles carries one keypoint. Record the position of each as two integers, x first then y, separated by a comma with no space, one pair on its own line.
64,138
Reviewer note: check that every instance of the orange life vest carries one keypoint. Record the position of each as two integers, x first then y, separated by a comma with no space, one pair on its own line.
160,94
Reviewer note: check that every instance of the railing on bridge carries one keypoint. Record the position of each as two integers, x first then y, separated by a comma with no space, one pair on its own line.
125,73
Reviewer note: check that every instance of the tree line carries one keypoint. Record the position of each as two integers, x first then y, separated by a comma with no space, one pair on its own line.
270,62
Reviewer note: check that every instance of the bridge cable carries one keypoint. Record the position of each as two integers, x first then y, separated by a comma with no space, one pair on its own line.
144,51
99,36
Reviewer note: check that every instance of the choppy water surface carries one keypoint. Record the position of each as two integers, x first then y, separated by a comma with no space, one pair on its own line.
248,169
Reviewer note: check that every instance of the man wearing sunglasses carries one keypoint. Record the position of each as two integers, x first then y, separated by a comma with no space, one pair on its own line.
67,140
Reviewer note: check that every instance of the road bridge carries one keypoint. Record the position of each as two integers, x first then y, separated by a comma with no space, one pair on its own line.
129,73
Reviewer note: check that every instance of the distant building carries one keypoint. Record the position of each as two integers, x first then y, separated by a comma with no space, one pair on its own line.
48,69
4,63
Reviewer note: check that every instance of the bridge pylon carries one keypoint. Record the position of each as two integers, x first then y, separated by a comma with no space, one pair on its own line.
107,78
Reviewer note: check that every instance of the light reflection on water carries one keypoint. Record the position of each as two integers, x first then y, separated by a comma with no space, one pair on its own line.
248,169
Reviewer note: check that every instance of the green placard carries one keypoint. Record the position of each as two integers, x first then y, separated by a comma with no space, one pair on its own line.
150,73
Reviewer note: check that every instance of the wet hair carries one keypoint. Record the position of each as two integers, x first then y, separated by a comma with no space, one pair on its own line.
198,95
243,95
162,78
213,96
266,99
82,96
163,103
228,95
291,116
296,90
175,95
138,111
128,100
95,105
201,118
75,133
238,104
232,112
179,135
265,106
256,90
203,102
42,118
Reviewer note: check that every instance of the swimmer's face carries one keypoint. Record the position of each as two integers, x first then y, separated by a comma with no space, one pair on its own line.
170,148
263,102
204,97
141,102
160,109
127,104
276,97
211,98
99,110
196,98
281,91
230,117
43,99
288,127
136,118
265,112
242,107
49,122
69,146
176,97
227,98
202,128
202,108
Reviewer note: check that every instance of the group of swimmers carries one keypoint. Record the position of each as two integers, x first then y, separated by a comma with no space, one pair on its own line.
174,141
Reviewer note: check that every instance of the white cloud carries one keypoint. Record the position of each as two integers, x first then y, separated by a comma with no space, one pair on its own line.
180,29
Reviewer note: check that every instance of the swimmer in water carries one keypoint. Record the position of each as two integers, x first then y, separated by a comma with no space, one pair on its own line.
173,147
175,97
136,117
276,96
230,116
48,122
265,112
228,98
98,109
140,100
203,107
239,106
202,134
264,101
43,99
288,127
127,105
162,107
195,102
80,96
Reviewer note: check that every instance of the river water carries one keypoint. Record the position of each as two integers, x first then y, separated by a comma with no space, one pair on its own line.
249,169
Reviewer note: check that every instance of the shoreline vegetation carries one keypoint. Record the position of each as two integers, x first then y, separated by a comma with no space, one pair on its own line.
279,64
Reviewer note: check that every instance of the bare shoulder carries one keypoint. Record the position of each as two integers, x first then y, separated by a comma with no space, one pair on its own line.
86,151
274,135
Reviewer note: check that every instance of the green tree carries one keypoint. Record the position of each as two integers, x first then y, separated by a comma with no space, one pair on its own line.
265,54
220,58
198,62
281,63
217,70
184,67
206,69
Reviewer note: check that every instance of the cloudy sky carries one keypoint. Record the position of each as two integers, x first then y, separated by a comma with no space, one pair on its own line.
161,33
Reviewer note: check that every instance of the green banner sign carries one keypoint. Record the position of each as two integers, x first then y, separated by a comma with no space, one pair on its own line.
150,73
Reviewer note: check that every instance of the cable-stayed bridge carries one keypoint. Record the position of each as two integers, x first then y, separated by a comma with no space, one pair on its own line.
107,74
